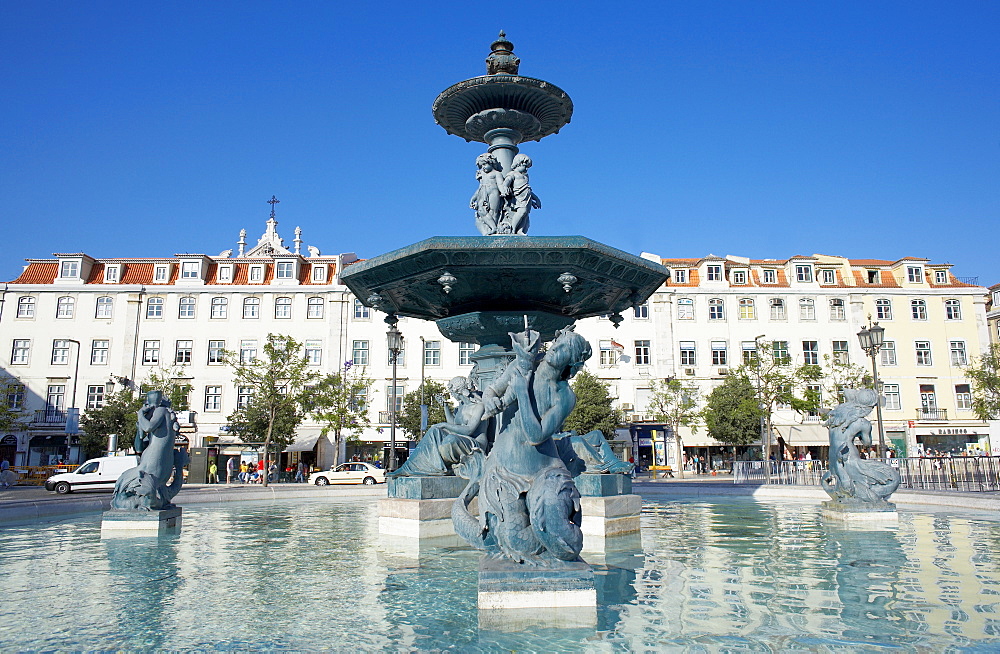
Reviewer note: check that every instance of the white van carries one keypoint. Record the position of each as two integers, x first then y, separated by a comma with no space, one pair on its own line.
96,474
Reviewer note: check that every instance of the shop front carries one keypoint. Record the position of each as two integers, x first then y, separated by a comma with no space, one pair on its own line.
953,441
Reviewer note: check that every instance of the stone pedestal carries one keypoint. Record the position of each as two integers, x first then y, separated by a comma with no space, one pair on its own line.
513,595
419,507
610,511
860,515
125,523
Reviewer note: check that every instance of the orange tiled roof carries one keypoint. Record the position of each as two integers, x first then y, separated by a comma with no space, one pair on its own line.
38,272
137,273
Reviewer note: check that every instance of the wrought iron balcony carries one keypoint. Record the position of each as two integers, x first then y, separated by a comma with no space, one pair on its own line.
932,414
52,417
385,418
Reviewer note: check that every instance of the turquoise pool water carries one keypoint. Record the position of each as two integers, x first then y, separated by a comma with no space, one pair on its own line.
726,575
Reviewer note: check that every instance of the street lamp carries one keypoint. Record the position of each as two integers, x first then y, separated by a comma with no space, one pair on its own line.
395,341
765,440
73,414
871,338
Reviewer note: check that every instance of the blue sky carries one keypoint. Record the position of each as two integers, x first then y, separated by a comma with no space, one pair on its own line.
762,129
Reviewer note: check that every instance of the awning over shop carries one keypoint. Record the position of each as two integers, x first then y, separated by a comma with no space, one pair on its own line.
48,441
304,444
802,435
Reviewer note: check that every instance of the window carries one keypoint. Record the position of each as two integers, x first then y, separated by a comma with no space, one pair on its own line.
780,351
837,309
26,307
400,358
182,353
15,397
69,269
681,276
963,397
225,274
891,393
19,352
283,307
392,394
186,307
111,274
216,352
64,307
940,276
465,352
361,312
160,274
952,310
55,399
609,355
739,277
150,352
888,353
220,308
213,398
95,396
60,352
720,355
714,273
432,353
359,400
256,274
99,351
814,392
747,309
154,307
883,309
689,353
914,274
810,353
923,349
318,273
770,276
244,394
829,276
840,354
716,310
190,269
807,309
685,309
642,311
105,307
314,307
284,269
314,352
928,400
642,353
918,308
749,349
251,307
248,350
777,308
958,356
360,353
803,273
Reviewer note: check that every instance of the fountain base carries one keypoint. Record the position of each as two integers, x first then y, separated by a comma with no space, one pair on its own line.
860,514
118,523
506,586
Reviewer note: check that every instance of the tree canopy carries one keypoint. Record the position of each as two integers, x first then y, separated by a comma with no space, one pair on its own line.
984,377
340,401
409,417
11,401
732,414
594,408
116,416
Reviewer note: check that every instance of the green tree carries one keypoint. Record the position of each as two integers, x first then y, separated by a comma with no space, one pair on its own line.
675,404
593,407
409,416
984,375
279,382
340,402
116,416
11,401
172,381
732,414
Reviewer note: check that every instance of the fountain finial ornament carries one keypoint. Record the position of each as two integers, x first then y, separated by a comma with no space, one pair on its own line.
502,60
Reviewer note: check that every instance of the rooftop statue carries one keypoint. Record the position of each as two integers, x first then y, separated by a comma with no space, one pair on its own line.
144,488
447,443
529,507
851,479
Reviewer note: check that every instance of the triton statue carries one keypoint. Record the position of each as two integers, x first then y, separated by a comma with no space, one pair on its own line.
144,488
852,480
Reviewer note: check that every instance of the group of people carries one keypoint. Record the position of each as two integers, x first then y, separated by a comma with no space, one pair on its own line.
252,472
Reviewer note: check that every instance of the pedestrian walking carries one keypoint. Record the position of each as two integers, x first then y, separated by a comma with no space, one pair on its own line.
213,473
299,470
230,469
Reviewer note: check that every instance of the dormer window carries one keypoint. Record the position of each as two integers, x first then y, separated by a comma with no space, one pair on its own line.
828,276
318,273
225,275
914,274
714,273
940,276
770,276
284,270
161,273
872,276
190,269
803,273
256,274
111,274
739,277
681,276
69,269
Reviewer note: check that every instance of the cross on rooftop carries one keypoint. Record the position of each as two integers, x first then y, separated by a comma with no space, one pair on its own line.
273,201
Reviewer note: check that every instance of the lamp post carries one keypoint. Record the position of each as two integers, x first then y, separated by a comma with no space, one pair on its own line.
871,338
395,341
73,415
765,441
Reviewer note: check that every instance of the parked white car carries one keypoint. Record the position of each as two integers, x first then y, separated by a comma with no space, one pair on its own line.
95,474
349,473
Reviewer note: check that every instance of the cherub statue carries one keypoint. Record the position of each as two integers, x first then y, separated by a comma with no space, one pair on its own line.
488,199
520,200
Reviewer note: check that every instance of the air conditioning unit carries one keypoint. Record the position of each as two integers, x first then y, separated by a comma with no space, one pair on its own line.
723,371
626,406
689,372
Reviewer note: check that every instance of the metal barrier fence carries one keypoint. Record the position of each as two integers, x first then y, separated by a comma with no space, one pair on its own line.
971,474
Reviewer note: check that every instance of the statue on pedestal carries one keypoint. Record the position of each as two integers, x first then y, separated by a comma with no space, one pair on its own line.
144,488
851,479
487,201
519,198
